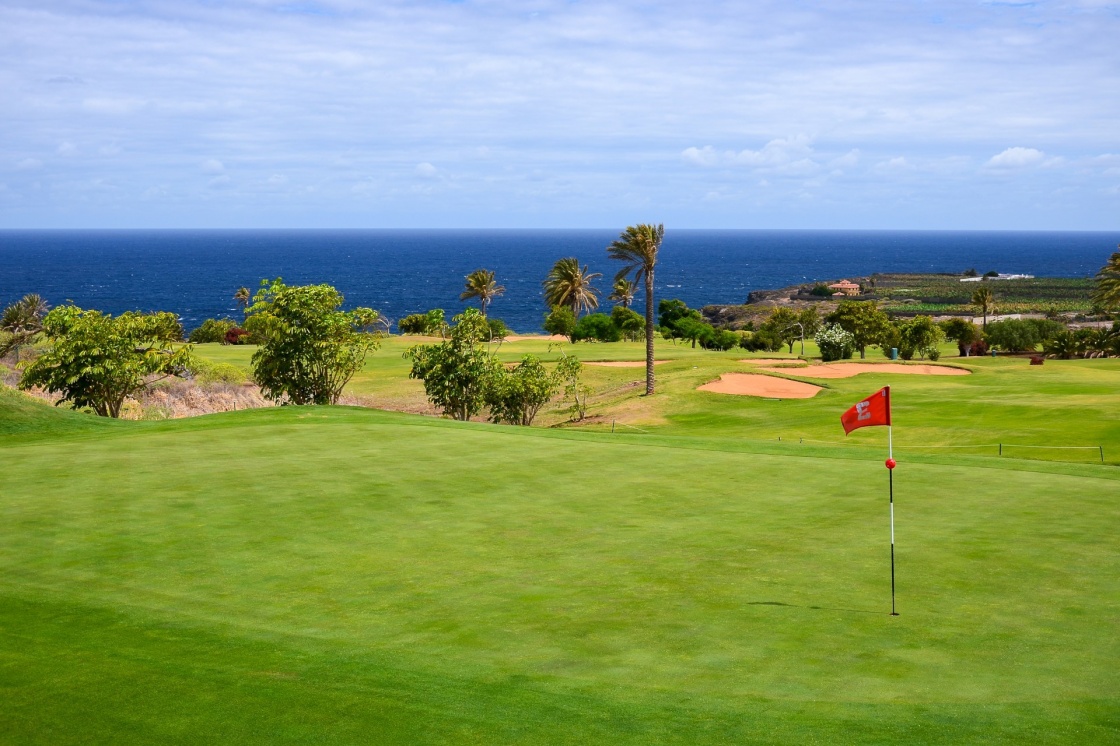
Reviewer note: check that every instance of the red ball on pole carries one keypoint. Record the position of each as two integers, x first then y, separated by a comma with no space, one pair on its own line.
891,463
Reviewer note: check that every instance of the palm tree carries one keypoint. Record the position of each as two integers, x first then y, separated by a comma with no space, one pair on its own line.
623,292
481,285
242,297
22,320
1107,292
637,246
984,299
568,285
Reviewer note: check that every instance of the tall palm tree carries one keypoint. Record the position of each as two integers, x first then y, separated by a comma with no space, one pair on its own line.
637,246
985,300
623,292
242,297
568,285
481,285
1107,292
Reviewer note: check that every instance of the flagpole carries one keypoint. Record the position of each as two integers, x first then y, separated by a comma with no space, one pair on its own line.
890,472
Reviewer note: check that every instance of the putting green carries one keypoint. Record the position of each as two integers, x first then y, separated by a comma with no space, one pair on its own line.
338,574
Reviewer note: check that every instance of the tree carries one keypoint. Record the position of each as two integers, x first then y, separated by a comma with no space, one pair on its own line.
963,332
637,248
1106,294
631,324
561,322
22,321
516,396
694,330
567,373
211,330
97,360
596,327
457,372
985,301
243,298
920,335
863,320
568,285
1013,335
785,324
482,285
623,292
310,349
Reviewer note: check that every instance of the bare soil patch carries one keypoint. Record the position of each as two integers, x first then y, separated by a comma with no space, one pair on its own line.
755,384
847,370
773,360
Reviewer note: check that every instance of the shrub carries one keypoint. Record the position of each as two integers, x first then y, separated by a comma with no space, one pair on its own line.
596,327
211,331
823,291
835,343
631,323
235,336
515,396
722,339
207,372
1013,335
415,323
560,321
498,329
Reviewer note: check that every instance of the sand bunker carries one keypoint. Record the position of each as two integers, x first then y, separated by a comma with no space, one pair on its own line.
623,363
754,384
847,370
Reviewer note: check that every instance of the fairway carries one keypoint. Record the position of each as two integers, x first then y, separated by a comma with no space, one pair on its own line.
337,574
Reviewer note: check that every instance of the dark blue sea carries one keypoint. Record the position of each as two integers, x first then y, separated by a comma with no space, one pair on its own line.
398,272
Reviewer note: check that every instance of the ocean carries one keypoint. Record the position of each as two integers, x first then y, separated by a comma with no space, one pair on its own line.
194,273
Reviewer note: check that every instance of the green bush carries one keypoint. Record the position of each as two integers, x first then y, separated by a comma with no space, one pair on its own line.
596,327
207,372
211,330
498,329
822,291
631,323
722,339
1012,335
415,323
561,321
835,343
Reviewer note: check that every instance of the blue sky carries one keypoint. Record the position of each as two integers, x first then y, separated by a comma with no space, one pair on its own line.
904,114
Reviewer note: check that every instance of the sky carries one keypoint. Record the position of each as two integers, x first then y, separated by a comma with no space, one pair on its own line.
560,114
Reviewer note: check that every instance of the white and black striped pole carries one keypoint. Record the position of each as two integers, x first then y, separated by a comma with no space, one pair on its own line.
890,471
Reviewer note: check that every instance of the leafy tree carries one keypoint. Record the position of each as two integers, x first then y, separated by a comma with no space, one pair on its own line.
242,297
482,285
97,360
516,396
310,349
568,285
211,330
22,321
596,327
637,248
561,322
985,301
568,372
623,292
694,330
414,323
721,339
920,335
457,372
762,340
961,331
669,311
864,320
784,323
630,323
498,330
1012,335
822,291
1106,294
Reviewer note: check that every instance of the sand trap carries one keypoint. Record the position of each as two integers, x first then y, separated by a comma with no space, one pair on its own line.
539,337
754,384
847,370
623,363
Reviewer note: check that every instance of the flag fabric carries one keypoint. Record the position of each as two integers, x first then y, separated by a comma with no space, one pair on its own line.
874,410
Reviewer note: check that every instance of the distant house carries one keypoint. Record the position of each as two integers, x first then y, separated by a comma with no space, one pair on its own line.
844,287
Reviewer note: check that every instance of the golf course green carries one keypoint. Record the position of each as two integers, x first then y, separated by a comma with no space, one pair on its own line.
344,574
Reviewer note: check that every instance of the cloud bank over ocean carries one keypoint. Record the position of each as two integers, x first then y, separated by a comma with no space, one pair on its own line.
559,114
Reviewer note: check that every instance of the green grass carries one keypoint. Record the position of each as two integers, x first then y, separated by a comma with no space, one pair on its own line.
351,575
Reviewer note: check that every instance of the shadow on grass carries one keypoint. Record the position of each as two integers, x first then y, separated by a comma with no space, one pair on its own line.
814,608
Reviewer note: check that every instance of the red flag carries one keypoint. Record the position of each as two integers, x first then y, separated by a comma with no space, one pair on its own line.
874,410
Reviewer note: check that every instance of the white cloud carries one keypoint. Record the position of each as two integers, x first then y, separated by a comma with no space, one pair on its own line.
426,170
212,166
776,153
1016,158
29,164
66,148
705,156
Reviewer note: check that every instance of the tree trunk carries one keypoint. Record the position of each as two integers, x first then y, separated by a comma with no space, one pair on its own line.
649,331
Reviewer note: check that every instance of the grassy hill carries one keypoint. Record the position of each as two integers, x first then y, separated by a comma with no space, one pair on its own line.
347,575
